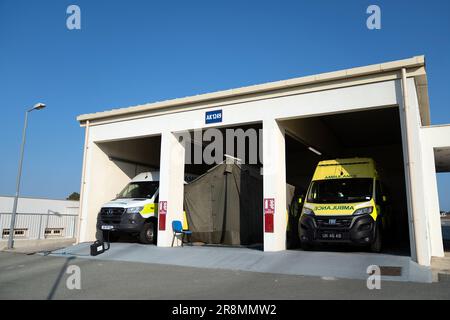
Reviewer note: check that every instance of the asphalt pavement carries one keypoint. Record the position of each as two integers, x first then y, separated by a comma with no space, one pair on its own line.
45,277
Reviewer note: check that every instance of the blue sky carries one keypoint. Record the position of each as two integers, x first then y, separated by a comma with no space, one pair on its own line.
133,52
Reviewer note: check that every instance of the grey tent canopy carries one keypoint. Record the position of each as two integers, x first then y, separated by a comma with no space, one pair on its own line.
224,205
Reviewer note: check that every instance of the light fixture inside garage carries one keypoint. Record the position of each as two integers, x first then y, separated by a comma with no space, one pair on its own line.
294,136
315,151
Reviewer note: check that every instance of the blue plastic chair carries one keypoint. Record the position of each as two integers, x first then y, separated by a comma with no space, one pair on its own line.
177,228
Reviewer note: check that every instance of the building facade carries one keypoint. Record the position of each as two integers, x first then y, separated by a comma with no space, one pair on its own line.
381,111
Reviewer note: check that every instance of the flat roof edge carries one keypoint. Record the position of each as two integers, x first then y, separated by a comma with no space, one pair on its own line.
38,198
436,126
416,61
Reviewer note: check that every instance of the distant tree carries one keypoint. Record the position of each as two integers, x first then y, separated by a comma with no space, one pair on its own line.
74,196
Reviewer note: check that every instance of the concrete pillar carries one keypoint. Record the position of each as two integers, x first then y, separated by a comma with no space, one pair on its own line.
410,117
82,213
171,185
274,170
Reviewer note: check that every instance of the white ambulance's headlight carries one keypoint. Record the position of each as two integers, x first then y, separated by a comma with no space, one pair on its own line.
135,209
362,211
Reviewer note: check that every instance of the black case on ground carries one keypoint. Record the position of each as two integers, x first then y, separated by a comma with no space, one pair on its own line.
99,247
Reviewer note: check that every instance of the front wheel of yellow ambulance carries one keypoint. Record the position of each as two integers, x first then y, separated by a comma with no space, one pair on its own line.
377,243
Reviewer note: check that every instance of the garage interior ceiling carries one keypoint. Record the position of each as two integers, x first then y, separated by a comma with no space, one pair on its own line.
202,168
333,135
365,128
140,151
145,152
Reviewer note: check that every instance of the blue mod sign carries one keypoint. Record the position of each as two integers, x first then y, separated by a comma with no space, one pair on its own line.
213,116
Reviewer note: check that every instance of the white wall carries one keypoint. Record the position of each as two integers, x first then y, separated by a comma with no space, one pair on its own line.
37,205
337,100
104,179
433,137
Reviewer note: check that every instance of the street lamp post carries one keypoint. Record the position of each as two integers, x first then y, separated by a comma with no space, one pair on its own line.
38,106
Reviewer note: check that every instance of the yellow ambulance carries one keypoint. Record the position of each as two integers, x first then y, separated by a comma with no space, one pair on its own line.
344,204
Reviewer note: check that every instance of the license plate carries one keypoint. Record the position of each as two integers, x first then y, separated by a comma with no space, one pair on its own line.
331,236
107,227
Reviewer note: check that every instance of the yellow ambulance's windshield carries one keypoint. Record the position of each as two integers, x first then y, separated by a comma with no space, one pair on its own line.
341,190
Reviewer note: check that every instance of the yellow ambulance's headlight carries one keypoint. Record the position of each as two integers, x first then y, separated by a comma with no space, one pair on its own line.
307,211
359,212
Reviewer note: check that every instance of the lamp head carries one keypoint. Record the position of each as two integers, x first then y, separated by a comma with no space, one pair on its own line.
39,106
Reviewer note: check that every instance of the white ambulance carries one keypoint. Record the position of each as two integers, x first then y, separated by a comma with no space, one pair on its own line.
134,210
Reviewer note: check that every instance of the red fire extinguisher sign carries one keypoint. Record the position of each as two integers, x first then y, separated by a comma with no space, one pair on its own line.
269,206
162,210
269,211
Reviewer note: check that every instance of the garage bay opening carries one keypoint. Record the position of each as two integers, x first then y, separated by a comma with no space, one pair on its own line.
442,162
223,205
130,209
346,168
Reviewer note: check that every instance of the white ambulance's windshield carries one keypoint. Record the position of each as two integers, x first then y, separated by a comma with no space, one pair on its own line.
341,190
139,190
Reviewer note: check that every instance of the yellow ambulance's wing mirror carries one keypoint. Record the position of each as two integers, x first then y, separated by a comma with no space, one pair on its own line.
385,199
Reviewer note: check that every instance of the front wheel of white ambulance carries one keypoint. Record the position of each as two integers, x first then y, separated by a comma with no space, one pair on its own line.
148,233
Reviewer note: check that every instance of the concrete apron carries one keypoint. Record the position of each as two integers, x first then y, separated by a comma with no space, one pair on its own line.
322,264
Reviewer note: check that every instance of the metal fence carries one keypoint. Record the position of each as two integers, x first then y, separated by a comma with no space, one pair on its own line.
36,226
